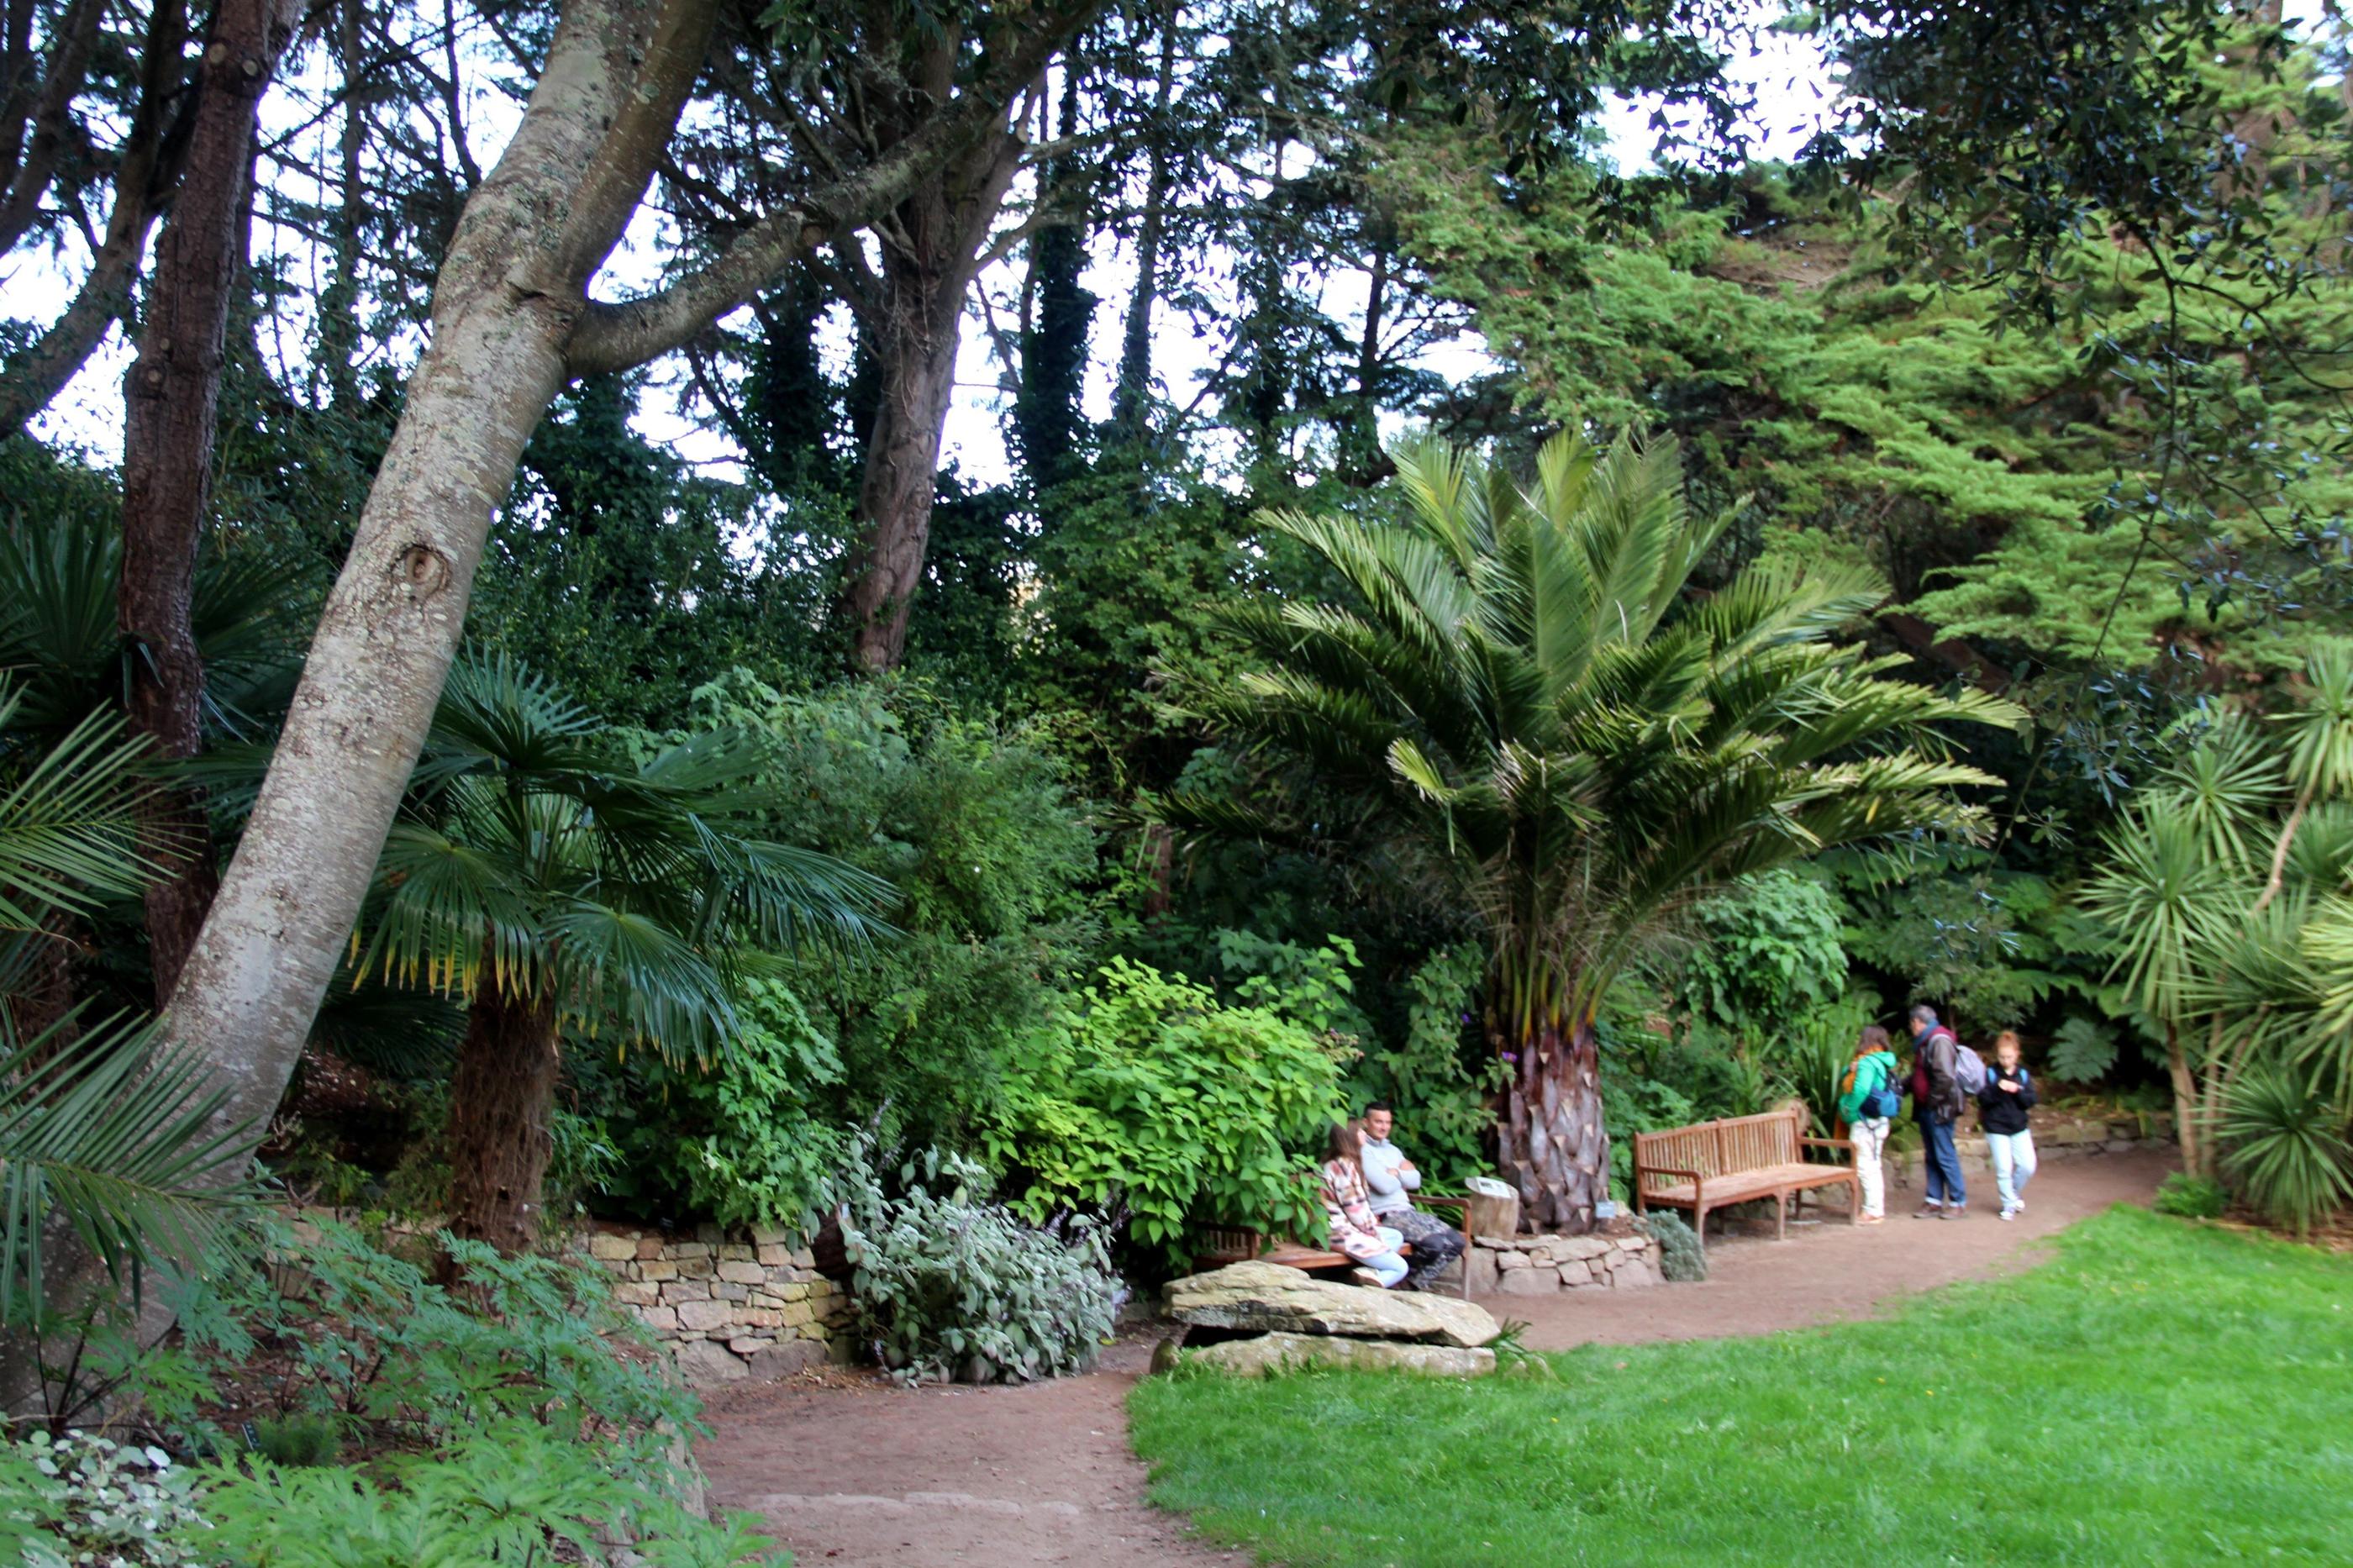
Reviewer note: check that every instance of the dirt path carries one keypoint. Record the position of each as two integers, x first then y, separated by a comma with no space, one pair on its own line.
1835,1272
875,1477
1010,1478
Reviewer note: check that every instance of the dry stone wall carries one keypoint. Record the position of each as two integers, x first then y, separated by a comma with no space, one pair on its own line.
727,1307
1541,1265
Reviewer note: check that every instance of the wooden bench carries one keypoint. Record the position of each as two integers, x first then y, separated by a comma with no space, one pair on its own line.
1224,1244
1736,1160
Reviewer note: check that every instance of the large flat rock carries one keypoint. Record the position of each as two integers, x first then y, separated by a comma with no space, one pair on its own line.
1279,1352
1267,1298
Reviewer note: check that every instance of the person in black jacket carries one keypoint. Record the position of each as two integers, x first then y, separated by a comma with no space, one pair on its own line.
2003,1105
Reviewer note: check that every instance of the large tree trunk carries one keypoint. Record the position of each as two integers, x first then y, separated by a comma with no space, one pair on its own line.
170,402
509,293
919,337
500,1103
931,250
1551,1145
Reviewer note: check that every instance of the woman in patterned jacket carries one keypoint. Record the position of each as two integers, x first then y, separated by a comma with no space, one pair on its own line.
1347,1208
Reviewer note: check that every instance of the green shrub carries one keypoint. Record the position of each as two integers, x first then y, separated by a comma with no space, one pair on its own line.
2083,1049
2185,1196
1771,955
1680,1257
1147,1092
2284,1145
80,1499
1436,1078
747,1139
949,1285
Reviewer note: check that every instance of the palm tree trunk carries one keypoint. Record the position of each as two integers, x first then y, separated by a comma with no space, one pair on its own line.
501,1103
1550,1142
2196,1158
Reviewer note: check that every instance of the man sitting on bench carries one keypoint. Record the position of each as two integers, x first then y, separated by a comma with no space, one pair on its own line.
1390,1179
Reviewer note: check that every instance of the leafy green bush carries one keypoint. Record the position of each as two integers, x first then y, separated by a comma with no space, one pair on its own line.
81,1499
2285,1145
747,1139
971,822
1145,1092
1431,1078
949,1285
1771,955
1680,1257
1814,1055
2185,1196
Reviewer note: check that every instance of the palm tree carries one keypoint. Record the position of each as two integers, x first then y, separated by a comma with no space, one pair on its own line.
553,883
1527,693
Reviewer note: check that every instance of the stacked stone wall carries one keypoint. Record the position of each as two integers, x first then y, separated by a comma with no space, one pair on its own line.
1541,1265
726,1306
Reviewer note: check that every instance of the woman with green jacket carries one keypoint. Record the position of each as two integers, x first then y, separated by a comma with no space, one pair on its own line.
1868,1099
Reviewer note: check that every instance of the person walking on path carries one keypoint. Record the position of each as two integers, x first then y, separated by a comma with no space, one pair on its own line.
2003,1105
1936,1102
1392,1181
1868,1101
1349,1215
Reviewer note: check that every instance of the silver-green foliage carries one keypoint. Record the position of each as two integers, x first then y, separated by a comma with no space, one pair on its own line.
80,1499
1680,1257
949,1284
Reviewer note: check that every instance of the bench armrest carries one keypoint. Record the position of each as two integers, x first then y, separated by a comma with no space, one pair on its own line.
1461,1205
1666,1170
1845,1144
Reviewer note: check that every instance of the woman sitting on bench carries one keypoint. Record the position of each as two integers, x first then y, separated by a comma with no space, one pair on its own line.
1347,1207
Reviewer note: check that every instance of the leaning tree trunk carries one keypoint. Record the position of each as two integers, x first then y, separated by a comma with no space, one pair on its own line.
1550,1142
171,399
504,306
502,1101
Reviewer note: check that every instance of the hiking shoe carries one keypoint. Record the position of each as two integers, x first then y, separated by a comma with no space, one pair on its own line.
1365,1277
1957,1211
1930,1211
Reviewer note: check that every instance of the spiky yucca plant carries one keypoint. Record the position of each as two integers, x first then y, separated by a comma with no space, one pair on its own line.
1525,688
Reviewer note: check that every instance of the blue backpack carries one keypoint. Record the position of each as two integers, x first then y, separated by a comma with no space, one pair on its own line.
1885,1100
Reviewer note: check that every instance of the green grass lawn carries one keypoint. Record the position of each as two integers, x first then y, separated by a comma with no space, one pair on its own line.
2157,1392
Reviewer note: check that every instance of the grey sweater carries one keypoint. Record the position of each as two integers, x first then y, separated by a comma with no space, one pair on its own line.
1387,1184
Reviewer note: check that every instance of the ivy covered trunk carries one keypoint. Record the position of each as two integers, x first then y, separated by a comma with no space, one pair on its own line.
1550,1142
501,1103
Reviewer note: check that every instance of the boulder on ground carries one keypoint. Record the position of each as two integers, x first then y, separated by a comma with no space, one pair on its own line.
1266,1298
1274,1353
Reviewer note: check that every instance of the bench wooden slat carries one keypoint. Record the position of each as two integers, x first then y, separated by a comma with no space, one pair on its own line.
1736,1158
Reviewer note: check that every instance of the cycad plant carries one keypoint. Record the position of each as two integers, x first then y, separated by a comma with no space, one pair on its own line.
2285,1147
1526,692
554,884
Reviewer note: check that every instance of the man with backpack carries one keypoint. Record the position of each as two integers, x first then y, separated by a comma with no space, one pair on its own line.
1940,1071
